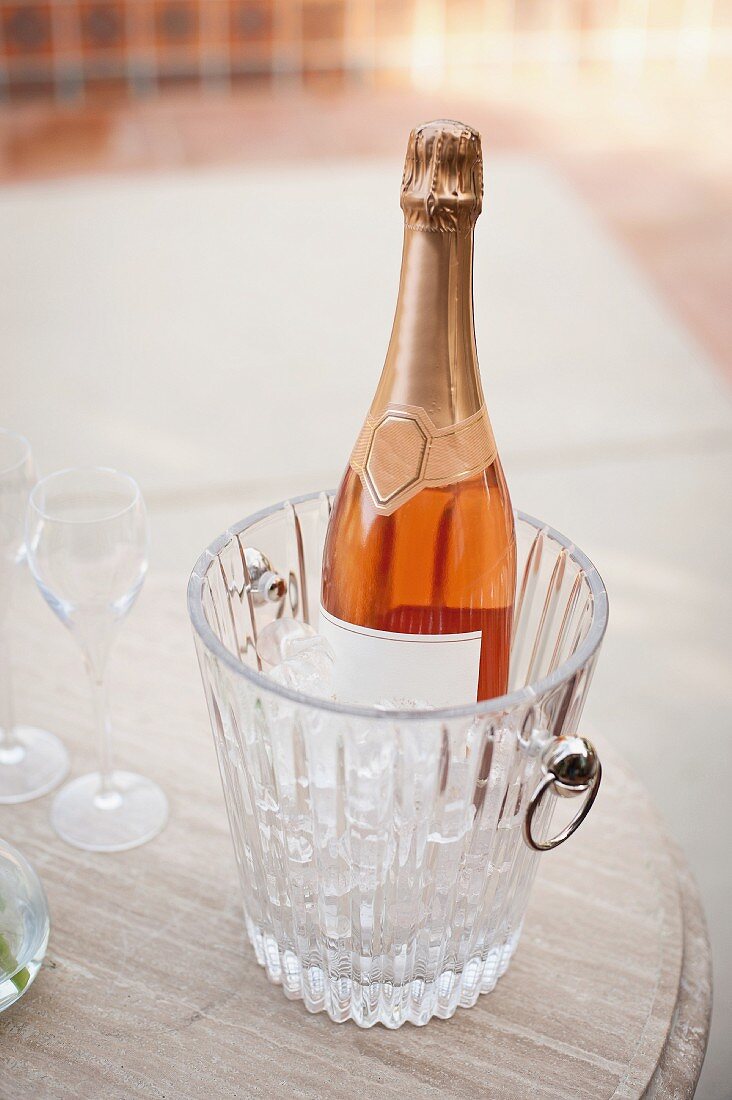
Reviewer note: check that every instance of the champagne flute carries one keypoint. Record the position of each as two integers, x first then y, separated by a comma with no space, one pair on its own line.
32,761
87,544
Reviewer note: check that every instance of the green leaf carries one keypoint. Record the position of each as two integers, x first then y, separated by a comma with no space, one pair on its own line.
8,962
21,979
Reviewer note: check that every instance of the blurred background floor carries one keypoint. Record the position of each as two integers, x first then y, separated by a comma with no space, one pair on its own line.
656,168
199,289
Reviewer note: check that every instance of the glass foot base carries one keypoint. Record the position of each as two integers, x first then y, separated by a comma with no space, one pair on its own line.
33,767
132,812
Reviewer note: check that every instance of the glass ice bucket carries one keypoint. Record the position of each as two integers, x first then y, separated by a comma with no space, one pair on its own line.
386,857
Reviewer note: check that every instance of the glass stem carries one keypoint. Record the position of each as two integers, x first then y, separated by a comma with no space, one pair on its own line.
8,739
104,731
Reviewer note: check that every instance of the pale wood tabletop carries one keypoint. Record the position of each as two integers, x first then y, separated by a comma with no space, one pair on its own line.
149,990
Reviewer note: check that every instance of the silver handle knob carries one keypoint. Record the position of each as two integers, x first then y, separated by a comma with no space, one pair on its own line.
267,586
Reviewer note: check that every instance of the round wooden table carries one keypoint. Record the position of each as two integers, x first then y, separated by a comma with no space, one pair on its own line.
149,990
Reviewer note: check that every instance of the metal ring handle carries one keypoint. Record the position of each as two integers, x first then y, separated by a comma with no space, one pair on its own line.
572,767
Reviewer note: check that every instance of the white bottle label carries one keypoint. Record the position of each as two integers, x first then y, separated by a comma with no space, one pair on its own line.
373,666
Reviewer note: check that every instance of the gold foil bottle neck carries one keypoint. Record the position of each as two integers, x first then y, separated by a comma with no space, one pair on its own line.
442,186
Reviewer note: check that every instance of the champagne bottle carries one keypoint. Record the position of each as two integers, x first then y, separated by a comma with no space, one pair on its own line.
419,565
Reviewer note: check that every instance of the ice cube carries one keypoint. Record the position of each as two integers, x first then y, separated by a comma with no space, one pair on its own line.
296,657
313,649
301,674
274,637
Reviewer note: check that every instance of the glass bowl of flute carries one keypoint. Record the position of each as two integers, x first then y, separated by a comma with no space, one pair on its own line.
386,855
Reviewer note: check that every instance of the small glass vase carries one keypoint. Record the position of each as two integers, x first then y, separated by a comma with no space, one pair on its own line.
24,924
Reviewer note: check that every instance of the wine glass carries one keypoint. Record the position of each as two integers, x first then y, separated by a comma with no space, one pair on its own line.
87,543
32,761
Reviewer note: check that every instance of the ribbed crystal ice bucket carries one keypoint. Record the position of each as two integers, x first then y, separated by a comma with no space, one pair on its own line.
384,856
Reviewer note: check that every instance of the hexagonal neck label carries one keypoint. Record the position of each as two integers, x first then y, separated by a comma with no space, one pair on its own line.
399,451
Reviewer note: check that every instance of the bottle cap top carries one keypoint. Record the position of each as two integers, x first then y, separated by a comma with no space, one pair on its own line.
442,186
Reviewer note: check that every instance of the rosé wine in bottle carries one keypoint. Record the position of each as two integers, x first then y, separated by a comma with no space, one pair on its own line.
419,567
